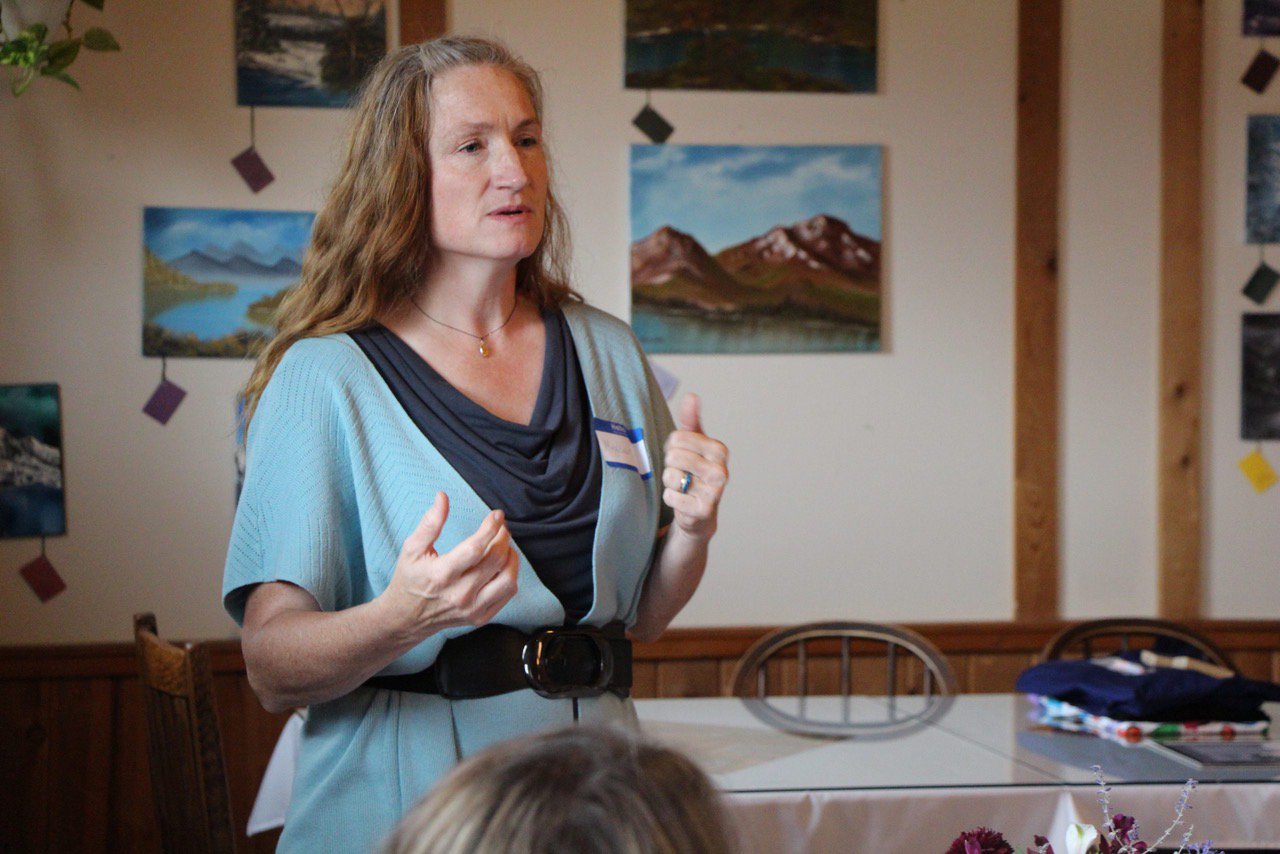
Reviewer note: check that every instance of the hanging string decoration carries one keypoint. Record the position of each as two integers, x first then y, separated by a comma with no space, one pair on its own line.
164,401
252,168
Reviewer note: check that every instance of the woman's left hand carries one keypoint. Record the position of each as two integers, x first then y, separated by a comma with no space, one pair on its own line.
701,465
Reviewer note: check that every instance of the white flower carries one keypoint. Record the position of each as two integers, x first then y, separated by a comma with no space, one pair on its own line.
1081,839
17,14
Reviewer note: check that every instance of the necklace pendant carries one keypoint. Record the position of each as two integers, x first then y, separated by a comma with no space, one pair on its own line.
484,348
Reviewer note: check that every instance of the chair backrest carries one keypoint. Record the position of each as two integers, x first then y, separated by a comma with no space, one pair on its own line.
839,659
188,772
1094,638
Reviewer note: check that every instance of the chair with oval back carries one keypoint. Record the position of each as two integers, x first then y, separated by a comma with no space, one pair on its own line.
188,772
796,660
1096,638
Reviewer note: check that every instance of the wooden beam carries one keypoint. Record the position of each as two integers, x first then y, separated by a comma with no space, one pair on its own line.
422,19
1181,243
1036,311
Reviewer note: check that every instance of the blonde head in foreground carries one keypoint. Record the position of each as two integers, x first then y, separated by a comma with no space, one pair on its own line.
585,789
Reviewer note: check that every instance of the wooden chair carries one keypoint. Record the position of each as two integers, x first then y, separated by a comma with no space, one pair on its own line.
188,773
1095,638
765,671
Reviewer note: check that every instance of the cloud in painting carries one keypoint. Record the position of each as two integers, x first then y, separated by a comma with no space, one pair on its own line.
173,232
723,194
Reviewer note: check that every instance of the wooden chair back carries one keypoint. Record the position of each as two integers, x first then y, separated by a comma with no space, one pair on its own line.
188,772
1095,638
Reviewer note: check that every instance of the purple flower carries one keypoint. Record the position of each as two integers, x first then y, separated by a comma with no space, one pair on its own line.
1123,826
1042,845
1205,847
980,840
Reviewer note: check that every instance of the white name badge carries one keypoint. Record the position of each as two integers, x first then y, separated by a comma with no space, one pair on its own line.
623,448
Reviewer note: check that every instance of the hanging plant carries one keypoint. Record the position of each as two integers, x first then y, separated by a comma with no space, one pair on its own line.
24,33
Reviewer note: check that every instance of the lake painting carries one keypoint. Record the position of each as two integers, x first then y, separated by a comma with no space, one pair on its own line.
31,493
752,45
306,53
756,249
212,279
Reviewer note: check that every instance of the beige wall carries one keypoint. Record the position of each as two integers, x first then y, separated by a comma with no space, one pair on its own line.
877,486
1244,549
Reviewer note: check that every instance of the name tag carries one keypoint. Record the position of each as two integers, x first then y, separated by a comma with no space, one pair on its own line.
623,448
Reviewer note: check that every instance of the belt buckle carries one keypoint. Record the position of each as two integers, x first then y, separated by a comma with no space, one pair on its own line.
537,663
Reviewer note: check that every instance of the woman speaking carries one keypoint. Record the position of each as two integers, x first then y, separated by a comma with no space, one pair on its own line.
464,493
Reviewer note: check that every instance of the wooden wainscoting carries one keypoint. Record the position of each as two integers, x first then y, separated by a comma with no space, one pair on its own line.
72,729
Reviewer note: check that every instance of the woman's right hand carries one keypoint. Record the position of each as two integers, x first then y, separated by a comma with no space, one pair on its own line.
467,585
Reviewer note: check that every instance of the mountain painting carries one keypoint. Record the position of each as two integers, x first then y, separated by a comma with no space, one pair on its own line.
306,53
213,279
756,249
31,495
752,45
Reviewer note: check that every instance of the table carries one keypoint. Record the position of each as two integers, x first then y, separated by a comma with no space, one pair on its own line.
979,760
964,761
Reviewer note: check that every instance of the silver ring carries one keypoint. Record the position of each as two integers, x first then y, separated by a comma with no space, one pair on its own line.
686,482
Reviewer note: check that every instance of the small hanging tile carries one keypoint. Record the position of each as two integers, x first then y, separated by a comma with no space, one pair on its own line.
42,578
164,401
252,169
1260,71
653,125
1259,472
1261,283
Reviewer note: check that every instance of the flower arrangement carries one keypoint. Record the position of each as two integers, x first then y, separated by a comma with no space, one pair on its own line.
25,45
1119,834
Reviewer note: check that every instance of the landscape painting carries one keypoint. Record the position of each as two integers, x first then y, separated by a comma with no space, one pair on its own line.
1260,377
756,249
212,279
1262,190
31,494
306,53
753,45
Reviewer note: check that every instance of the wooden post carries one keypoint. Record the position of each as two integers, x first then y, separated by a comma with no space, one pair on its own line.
1181,241
1036,311
422,19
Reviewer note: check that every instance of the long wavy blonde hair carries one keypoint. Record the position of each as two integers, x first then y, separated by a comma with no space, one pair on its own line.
371,246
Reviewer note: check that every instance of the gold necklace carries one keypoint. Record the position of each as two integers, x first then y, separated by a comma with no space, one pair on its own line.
485,349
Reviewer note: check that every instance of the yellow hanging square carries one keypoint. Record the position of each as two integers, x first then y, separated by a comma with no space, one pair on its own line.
1258,471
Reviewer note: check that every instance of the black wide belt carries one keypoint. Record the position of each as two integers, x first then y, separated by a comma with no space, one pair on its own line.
558,662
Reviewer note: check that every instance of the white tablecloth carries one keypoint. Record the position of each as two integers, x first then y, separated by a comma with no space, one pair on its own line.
926,820
874,815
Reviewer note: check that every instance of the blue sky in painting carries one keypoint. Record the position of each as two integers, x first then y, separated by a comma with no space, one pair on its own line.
724,194
173,232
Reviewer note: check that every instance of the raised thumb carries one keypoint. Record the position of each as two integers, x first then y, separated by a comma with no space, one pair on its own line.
424,536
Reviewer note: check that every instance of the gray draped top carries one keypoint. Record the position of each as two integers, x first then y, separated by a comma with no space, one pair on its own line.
545,476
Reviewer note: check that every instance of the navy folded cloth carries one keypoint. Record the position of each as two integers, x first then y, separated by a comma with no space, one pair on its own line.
1155,694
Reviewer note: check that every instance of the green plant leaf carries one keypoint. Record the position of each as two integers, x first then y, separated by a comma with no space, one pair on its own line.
24,52
58,74
96,38
63,53
35,32
97,4
11,53
21,83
